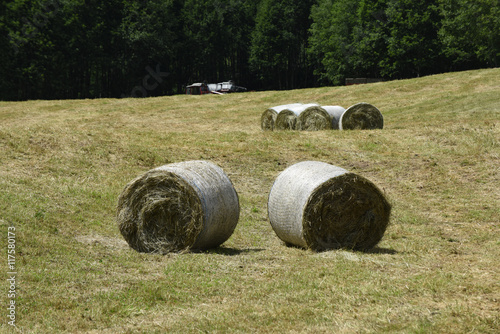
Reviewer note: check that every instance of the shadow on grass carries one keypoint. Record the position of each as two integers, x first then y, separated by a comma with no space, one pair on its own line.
374,250
380,250
229,251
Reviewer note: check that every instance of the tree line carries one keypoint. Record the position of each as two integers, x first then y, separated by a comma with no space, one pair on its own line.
60,49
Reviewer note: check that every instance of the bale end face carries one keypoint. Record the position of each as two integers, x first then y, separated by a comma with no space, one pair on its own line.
159,212
345,212
178,207
361,116
314,119
287,120
268,120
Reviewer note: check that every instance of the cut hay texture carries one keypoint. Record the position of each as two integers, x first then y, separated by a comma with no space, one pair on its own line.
268,118
320,118
288,119
177,207
320,206
361,116
335,113
315,118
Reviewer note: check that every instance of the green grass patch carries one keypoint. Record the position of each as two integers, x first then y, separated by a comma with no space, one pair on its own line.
64,163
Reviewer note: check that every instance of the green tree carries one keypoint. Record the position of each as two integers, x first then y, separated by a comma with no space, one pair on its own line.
413,46
369,39
152,34
8,48
279,41
64,48
330,42
217,37
469,33
27,43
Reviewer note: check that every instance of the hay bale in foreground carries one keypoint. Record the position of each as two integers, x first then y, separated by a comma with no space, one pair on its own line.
335,113
178,207
320,206
288,119
361,116
268,118
315,118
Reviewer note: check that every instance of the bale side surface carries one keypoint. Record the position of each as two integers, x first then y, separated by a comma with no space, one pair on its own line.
314,119
361,116
288,119
177,207
268,118
335,113
289,196
320,206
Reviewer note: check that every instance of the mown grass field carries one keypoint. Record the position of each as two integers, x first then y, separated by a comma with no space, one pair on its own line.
64,163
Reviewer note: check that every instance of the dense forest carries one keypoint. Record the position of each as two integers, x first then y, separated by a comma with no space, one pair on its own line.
60,49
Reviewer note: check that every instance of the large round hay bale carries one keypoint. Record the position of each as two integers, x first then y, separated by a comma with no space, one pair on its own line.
177,207
320,206
268,118
288,119
361,116
315,118
335,113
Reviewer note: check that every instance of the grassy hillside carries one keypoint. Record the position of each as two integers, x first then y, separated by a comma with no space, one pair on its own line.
64,163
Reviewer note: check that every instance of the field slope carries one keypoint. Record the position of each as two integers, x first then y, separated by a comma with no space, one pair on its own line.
64,163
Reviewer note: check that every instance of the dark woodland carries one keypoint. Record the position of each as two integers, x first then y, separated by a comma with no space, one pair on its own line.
73,49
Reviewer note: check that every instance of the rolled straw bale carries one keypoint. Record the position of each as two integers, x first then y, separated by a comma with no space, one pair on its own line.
315,118
178,207
362,116
288,119
320,206
335,113
268,118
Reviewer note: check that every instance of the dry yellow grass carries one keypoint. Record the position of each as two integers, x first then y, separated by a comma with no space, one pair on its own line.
64,163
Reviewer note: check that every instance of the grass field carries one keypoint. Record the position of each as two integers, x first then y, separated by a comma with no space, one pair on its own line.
64,163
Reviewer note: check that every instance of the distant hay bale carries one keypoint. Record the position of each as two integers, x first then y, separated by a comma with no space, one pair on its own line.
177,207
288,119
315,118
335,113
268,118
361,116
320,206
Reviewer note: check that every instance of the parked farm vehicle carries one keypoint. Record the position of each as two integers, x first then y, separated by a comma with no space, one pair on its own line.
197,89
214,88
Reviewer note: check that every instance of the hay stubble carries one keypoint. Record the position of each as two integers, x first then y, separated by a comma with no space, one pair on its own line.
64,163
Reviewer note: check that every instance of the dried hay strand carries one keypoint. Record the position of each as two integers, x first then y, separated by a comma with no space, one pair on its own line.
335,113
288,119
268,118
320,206
178,207
361,116
315,118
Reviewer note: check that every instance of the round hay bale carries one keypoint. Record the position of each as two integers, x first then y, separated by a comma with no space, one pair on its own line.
335,113
177,207
268,118
315,118
288,119
320,206
361,116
